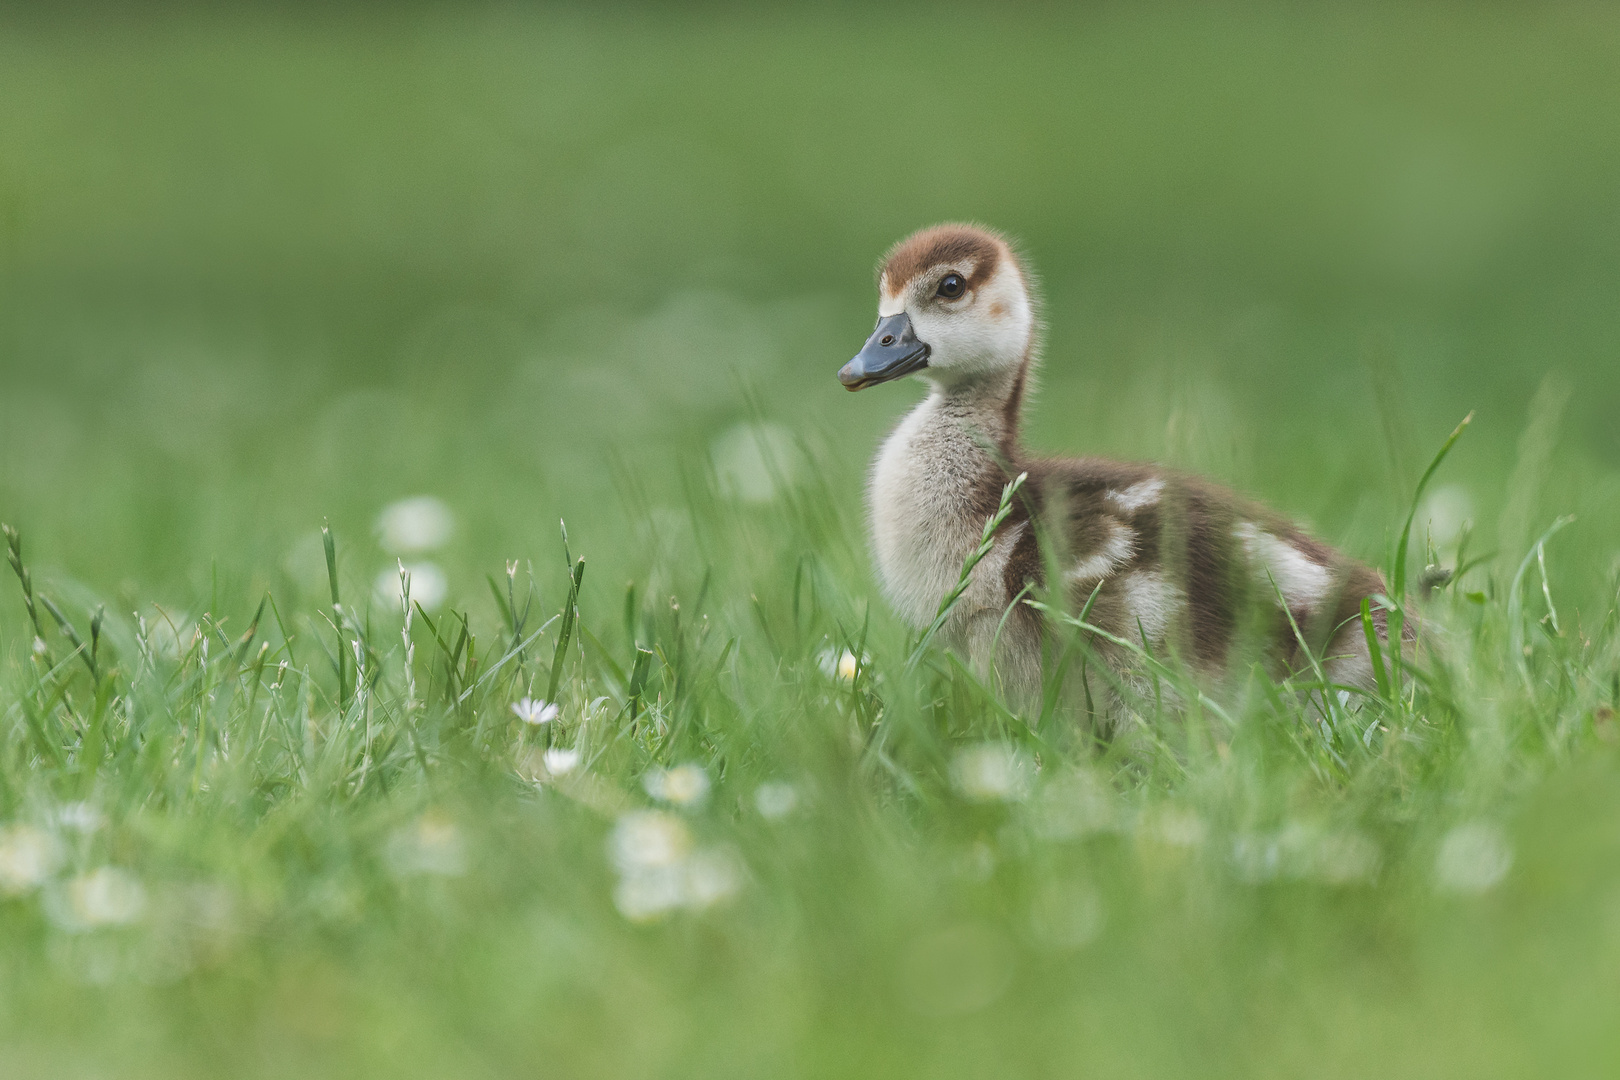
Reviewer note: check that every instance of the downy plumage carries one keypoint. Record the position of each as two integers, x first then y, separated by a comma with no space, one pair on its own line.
1196,572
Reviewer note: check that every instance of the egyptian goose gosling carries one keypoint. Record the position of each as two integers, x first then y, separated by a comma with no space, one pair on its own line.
1196,571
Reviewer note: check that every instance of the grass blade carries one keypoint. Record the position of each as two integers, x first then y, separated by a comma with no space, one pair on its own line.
570,612
987,541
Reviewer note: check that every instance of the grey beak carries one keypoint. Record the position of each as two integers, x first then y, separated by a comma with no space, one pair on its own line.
891,352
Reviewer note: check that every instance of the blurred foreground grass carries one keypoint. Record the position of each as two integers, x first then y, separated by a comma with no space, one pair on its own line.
258,271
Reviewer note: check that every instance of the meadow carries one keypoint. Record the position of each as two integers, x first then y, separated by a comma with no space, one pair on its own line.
540,310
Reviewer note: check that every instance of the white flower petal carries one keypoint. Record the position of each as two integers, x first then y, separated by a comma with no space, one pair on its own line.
418,524
648,838
713,876
776,799
535,712
992,772
28,856
560,762
684,785
429,586
1473,858
105,896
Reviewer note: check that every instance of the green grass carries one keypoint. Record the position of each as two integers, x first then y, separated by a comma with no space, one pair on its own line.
262,273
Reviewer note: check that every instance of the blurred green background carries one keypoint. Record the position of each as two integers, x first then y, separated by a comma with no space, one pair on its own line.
264,267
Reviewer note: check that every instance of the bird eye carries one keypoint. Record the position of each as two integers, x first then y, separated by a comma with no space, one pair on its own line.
952,286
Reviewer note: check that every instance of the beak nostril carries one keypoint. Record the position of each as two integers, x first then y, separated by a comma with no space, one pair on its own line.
888,339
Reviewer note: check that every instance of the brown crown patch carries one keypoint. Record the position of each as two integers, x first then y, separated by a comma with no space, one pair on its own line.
958,245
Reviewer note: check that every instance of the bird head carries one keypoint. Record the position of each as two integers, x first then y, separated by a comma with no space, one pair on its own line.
954,306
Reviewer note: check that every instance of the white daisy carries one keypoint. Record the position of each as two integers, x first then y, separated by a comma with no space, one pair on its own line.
684,785
648,839
105,896
841,665
429,586
80,817
535,712
992,772
560,761
1473,858
417,524
27,857
775,799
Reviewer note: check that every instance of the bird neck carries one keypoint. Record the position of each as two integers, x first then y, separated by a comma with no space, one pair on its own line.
989,405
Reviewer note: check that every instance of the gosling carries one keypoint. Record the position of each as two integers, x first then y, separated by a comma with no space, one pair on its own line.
1179,566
